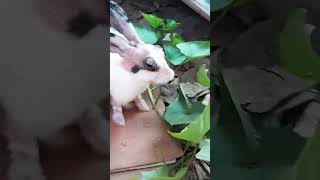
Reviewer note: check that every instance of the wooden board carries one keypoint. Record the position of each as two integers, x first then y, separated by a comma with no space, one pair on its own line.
143,142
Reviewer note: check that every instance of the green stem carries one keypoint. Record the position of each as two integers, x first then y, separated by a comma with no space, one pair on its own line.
184,152
194,152
153,102
151,97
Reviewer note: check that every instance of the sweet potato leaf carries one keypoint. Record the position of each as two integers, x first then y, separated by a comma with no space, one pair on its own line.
195,49
196,130
147,35
152,20
173,54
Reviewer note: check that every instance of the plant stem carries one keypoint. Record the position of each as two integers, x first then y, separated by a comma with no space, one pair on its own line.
192,156
184,152
151,97
153,102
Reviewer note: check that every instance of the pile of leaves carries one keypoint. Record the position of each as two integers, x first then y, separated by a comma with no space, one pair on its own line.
269,95
188,108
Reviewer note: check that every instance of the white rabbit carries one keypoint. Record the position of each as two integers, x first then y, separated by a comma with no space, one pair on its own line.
127,84
48,78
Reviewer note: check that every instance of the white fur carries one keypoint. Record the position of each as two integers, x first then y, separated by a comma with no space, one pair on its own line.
125,86
50,77
47,77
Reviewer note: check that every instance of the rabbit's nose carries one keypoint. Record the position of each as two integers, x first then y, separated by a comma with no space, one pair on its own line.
150,64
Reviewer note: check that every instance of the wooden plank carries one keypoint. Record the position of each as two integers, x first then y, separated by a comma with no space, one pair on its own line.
143,142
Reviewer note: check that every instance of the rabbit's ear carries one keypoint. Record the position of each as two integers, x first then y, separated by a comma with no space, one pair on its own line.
118,43
120,21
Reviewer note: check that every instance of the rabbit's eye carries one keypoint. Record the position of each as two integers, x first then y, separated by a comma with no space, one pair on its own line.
150,64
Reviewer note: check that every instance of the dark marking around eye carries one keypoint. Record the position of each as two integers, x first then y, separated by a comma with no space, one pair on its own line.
112,35
135,69
82,23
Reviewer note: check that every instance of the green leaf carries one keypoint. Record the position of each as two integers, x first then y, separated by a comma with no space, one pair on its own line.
204,153
217,5
195,131
278,150
178,112
169,25
195,49
202,76
147,35
296,52
175,39
162,173
307,167
173,54
152,20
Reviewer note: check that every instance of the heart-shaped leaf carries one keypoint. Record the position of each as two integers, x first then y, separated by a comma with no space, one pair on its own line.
173,54
152,20
147,35
195,49
196,130
181,111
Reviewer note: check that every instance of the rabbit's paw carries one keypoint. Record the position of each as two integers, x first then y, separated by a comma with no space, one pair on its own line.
118,118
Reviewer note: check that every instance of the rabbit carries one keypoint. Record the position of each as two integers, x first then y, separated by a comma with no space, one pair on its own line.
127,83
49,76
